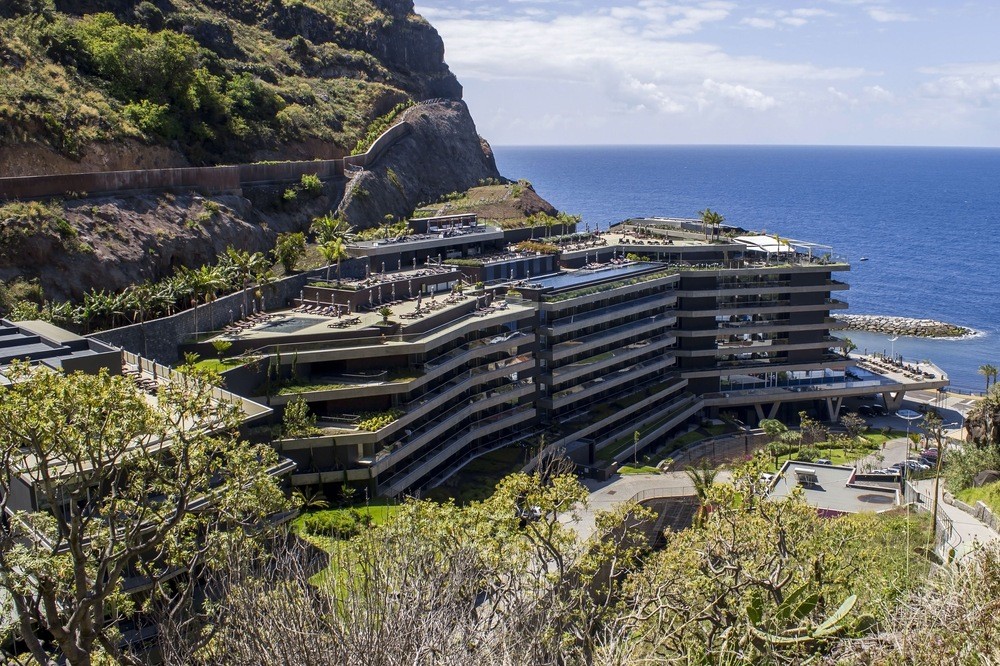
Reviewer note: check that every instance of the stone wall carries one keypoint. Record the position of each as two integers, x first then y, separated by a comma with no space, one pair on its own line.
206,179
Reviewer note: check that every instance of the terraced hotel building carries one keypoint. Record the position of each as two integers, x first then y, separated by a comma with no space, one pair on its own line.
641,329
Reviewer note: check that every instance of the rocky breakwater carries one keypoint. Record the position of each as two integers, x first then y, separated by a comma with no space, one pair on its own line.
922,328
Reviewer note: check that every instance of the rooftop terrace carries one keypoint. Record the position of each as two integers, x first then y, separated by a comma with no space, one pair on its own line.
831,488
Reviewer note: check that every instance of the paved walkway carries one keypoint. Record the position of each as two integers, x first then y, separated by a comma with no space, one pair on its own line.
967,531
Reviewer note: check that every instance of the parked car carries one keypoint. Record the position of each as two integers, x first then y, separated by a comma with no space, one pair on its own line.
824,461
916,464
872,410
930,453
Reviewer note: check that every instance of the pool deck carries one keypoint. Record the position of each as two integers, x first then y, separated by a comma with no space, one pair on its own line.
404,312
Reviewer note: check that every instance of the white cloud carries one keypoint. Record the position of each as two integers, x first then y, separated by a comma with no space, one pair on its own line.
887,16
757,22
739,95
811,12
795,18
977,84
878,93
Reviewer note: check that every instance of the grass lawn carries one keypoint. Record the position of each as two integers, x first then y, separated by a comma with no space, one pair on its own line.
381,511
221,364
988,495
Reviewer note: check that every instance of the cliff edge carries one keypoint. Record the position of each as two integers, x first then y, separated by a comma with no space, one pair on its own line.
442,153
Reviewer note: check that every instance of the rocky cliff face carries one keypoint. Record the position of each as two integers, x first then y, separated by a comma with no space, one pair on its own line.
71,247
441,154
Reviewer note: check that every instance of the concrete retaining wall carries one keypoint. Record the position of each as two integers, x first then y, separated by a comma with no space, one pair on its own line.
980,511
206,179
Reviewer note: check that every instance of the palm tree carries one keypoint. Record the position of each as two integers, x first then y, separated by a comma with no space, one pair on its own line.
711,219
334,251
328,228
988,371
385,313
242,267
549,223
703,478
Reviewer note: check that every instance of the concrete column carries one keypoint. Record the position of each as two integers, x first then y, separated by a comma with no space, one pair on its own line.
833,406
893,401
771,413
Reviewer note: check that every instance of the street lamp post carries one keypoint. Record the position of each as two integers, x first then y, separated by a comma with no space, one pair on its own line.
937,476
908,415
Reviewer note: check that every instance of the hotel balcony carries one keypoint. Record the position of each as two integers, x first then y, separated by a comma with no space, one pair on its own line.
603,315
420,467
586,421
631,331
600,385
608,359
765,287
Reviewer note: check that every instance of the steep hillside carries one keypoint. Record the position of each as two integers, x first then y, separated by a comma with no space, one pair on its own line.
175,82
99,85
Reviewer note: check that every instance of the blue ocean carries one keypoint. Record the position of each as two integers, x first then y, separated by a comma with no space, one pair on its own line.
926,219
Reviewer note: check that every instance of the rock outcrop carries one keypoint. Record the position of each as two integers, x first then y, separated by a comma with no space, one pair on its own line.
441,154
922,328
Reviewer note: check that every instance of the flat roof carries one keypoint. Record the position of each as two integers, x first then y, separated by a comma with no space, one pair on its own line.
831,491
585,276
49,331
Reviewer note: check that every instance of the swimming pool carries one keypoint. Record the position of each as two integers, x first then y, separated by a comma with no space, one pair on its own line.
289,325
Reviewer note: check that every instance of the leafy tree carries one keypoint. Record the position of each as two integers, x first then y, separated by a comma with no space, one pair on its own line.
854,424
121,485
467,584
289,249
773,428
385,312
298,420
813,432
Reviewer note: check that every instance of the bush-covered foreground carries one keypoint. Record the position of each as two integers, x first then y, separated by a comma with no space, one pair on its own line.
505,581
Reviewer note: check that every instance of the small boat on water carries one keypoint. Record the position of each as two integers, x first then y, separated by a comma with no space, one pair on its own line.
863,259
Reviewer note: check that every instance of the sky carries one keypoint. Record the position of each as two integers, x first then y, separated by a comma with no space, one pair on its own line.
826,72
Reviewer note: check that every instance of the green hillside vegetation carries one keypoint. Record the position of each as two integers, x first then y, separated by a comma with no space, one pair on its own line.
214,78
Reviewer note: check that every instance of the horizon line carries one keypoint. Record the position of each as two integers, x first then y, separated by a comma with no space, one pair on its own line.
736,145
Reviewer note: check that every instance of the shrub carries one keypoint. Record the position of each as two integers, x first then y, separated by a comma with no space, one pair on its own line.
289,249
149,16
374,421
336,523
380,125
808,454
311,184
221,346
